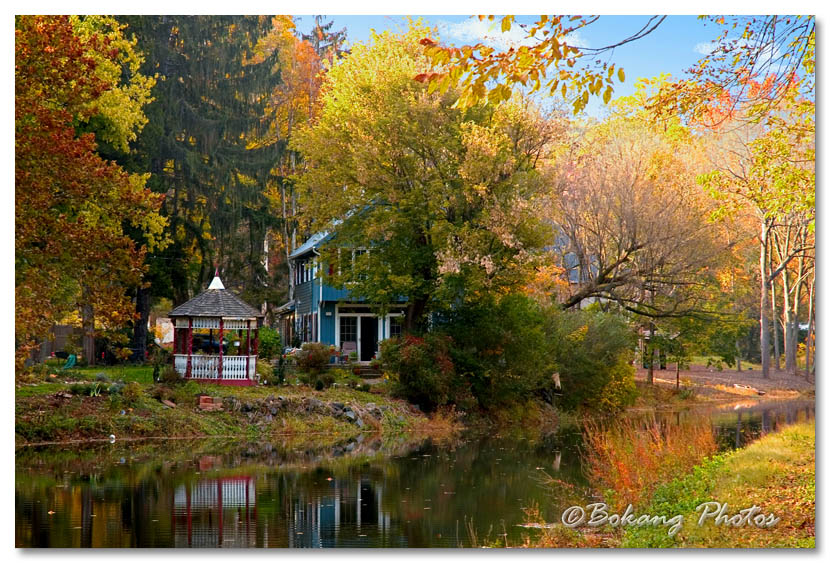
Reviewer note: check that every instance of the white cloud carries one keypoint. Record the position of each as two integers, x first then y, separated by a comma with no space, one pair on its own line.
705,48
764,57
473,30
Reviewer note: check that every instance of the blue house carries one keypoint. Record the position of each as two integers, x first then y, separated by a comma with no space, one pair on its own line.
317,312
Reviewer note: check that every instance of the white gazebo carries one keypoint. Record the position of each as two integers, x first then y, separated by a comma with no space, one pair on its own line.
217,312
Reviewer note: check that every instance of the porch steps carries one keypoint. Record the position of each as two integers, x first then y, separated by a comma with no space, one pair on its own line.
367,372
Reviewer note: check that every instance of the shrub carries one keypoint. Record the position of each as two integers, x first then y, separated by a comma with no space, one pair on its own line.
313,357
323,381
591,350
501,347
687,393
159,357
170,376
88,389
265,371
422,367
269,343
345,377
160,392
132,393
620,390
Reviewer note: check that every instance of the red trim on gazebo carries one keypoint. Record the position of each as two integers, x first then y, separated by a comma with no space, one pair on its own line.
248,350
221,344
237,382
189,345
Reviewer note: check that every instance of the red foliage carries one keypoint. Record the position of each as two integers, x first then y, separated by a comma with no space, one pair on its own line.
69,203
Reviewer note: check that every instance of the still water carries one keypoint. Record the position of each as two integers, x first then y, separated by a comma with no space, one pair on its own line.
366,493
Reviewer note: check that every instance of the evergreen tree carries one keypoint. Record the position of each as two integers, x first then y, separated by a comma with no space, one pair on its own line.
199,147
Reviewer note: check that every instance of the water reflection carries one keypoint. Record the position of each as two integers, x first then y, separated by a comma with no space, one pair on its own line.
365,493
360,494
738,424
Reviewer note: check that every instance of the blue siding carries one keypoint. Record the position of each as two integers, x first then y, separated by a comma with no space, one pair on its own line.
327,324
333,294
303,297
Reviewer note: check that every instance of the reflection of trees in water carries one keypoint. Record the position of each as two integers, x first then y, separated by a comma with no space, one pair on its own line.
739,428
367,493
361,494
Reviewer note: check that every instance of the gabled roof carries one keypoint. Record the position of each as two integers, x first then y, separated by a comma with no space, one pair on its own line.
216,303
310,244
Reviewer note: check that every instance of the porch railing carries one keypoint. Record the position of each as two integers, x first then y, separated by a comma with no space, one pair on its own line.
206,366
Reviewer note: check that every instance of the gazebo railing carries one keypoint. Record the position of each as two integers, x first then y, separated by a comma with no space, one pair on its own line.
206,366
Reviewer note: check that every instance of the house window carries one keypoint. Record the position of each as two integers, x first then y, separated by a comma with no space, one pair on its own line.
395,326
348,329
355,260
314,327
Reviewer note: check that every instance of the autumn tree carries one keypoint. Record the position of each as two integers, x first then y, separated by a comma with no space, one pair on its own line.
424,200
754,65
292,103
73,76
768,172
633,223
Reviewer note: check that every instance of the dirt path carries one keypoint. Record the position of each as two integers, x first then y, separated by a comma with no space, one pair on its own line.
709,380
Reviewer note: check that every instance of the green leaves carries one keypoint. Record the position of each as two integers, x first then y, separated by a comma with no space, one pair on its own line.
439,194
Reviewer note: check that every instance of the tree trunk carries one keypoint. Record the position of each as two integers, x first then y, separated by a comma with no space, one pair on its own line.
650,354
775,321
809,343
787,318
142,307
796,309
738,354
764,315
415,320
88,322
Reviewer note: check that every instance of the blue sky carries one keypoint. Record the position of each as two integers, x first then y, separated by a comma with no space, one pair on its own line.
673,47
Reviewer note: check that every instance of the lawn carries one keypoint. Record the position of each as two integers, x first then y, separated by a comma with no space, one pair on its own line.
45,384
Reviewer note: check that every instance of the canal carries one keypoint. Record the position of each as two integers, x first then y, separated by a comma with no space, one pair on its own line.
407,492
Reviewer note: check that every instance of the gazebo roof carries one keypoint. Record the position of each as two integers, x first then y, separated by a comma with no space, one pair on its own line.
216,302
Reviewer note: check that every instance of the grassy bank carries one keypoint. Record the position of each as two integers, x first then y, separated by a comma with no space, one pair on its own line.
52,405
52,412
775,473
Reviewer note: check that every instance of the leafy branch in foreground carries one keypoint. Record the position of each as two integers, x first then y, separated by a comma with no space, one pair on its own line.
483,73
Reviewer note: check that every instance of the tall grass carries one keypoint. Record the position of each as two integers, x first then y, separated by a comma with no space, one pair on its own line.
628,458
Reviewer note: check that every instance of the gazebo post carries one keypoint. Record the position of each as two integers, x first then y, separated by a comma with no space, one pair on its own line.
248,351
221,340
189,345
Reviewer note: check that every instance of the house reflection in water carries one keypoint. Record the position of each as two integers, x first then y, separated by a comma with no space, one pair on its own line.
215,513
349,513
223,513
